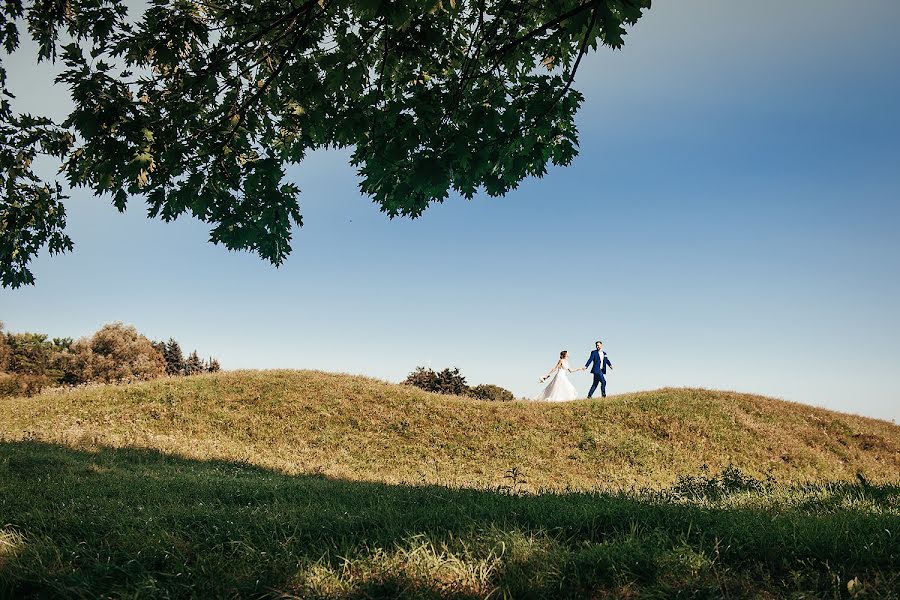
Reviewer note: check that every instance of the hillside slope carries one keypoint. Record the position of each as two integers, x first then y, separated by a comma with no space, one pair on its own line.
361,429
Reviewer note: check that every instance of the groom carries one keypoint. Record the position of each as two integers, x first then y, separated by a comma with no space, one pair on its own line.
601,361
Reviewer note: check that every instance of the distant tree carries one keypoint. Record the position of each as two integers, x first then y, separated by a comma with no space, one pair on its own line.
159,346
448,381
116,352
66,369
200,107
424,378
19,384
24,363
60,361
29,353
451,381
487,391
61,344
212,365
33,355
193,364
174,358
9,386
4,350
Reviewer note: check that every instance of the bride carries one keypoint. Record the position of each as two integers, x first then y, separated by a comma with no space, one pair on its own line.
560,388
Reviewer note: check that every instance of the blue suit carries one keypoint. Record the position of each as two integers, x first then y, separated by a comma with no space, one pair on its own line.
599,370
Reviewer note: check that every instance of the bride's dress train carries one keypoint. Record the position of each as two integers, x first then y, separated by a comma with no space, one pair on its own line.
560,389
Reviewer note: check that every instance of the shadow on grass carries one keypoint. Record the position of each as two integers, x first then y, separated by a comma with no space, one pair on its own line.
127,522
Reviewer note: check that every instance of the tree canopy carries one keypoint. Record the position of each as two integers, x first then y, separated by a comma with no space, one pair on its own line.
197,106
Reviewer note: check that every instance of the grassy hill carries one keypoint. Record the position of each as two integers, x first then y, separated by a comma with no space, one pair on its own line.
286,484
357,429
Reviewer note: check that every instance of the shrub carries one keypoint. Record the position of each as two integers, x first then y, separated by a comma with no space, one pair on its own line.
22,384
62,344
423,378
705,486
451,381
160,347
488,391
448,381
4,350
116,352
8,385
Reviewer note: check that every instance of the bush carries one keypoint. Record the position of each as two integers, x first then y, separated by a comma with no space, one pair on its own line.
4,350
713,487
451,381
116,352
448,381
22,384
488,391
423,378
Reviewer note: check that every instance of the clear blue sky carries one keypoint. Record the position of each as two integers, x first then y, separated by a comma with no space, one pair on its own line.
731,222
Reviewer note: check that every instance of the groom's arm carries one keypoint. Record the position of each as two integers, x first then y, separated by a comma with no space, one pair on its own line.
590,358
609,362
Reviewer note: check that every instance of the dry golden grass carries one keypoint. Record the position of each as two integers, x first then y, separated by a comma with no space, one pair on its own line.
361,429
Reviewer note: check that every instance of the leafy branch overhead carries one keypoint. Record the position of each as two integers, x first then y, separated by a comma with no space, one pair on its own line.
199,105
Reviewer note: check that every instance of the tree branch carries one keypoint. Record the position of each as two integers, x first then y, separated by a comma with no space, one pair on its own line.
505,49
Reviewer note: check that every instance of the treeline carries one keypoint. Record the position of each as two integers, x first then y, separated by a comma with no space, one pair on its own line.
451,381
116,353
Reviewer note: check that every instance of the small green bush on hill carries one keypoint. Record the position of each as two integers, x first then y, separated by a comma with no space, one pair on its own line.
12,384
451,381
448,381
488,391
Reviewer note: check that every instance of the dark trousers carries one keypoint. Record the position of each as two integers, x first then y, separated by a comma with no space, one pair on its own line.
598,378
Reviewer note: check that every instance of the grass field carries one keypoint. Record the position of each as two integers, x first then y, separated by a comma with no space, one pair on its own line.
311,485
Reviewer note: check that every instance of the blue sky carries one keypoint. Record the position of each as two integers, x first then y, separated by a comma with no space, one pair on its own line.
730,223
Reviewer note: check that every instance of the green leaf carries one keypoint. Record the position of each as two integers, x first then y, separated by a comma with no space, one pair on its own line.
203,111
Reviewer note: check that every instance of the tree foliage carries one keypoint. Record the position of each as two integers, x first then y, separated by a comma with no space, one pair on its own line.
4,350
29,353
116,352
197,106
174,358
489,391
193,364
29,362
448,381
451,381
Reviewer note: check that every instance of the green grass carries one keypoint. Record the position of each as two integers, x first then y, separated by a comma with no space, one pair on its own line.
309,485
137,523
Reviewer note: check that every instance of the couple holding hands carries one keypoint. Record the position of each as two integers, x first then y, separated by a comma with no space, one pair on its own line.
561,389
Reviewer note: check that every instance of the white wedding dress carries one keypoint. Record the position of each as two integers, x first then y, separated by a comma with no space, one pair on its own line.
560,389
